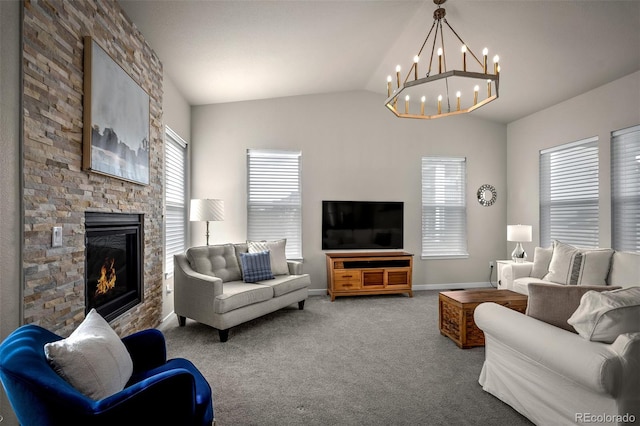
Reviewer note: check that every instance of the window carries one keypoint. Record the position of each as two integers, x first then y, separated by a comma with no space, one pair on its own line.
274,201
569,194
444,210
175,196
625,189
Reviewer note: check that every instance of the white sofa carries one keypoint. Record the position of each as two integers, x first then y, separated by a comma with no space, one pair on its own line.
622,270
209,287
554,376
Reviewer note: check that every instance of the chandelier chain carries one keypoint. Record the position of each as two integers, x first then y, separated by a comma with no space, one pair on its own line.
462,41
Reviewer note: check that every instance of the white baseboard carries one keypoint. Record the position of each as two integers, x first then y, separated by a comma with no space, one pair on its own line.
421,287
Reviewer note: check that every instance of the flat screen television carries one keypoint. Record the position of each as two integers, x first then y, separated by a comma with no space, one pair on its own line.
362,225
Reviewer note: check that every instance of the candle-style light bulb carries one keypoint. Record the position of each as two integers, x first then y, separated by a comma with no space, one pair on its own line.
388,85
398,75
422,100
488,88
439,59
485,52
416,59
439,104
458,96
495,64
476,89
406,104
463,49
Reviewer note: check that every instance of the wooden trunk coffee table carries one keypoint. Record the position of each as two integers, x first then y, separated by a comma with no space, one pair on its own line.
456,312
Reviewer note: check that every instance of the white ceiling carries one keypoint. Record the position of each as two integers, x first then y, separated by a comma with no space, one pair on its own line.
228,51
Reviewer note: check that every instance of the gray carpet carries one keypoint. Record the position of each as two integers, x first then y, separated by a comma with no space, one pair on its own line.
369,360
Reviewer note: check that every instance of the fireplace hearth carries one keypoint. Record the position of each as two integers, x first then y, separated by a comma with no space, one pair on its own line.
113,265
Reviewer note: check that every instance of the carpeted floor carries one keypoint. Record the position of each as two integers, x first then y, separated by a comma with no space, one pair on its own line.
369,360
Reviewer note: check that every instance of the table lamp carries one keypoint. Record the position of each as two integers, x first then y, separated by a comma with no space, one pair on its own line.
519,234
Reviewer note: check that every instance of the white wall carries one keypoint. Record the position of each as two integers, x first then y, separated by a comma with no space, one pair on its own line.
176,113
353,148
598,112
10,172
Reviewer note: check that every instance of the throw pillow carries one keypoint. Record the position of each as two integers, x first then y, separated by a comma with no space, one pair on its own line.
256,266
574,266
561,267
602,317
541,260
277,250
554,304
92,359
595,266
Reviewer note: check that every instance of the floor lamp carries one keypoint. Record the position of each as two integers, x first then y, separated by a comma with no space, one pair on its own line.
207,210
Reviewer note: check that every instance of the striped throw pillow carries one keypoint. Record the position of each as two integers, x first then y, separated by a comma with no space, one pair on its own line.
256,266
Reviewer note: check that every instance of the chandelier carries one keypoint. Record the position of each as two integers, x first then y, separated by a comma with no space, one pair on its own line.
442,92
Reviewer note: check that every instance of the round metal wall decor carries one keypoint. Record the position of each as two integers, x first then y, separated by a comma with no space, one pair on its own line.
487,195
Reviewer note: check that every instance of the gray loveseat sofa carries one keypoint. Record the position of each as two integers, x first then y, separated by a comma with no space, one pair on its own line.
209,288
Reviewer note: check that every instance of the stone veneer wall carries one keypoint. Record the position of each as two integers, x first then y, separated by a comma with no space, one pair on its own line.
56,190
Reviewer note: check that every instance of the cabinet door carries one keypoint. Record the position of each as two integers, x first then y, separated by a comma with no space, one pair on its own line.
398,277
373,278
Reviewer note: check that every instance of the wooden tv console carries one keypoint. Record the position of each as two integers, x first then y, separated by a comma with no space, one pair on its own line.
353,274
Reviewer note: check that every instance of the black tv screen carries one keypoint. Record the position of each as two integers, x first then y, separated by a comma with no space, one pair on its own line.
362,225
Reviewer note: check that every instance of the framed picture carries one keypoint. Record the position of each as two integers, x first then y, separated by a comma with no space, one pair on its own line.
116,119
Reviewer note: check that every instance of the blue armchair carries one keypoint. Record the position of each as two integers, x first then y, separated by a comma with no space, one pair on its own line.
160,391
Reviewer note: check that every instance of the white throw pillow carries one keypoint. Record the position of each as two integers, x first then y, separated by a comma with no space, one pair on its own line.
603,316
561,265
541,261
574,266
92,359
277,252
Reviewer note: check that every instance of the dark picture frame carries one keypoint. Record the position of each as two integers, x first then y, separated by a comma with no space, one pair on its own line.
116,119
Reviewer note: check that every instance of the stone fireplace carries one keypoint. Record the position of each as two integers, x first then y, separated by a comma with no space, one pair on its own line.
113,269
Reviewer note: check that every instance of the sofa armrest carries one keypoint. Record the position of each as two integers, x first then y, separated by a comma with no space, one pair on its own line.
295,268
598,366
521,270
194,293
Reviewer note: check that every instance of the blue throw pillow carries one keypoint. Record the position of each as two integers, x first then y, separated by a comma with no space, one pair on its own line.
256,266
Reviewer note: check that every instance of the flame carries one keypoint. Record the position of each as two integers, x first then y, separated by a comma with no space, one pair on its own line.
107,277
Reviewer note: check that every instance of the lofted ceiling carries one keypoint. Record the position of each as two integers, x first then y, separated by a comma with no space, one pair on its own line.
237,50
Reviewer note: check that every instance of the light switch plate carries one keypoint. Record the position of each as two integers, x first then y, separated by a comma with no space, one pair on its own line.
56,236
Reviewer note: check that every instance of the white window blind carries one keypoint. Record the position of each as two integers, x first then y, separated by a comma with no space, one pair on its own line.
444,210
569,194
625,189
274,201
175,221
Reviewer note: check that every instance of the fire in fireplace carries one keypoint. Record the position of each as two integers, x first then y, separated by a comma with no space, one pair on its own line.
113,262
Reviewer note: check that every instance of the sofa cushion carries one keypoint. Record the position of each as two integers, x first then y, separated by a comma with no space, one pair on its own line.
216,260
92,359
256,266
602,317
541,260
625,269
521,285
284,284
277,250
238,294
571,265
554,304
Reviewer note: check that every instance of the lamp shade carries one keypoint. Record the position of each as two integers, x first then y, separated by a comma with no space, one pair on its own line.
519,233
207,210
